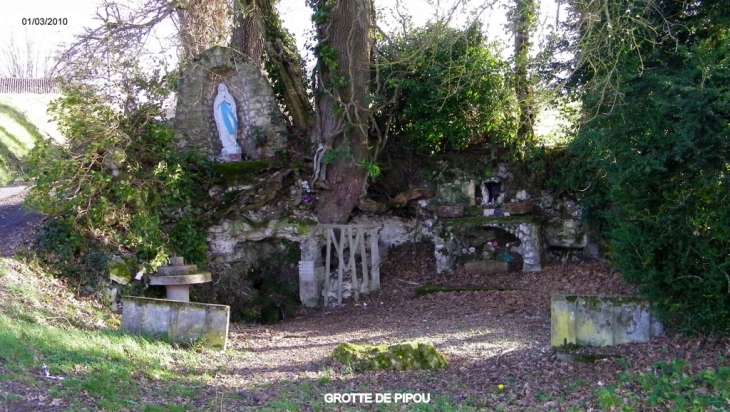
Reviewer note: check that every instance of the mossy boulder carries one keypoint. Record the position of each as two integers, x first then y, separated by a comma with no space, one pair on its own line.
402,356
118,270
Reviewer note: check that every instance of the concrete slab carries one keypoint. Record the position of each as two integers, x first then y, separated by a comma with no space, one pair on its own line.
594,320
179,321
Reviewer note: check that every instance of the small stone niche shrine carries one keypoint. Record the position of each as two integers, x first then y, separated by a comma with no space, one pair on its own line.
486,224
226,108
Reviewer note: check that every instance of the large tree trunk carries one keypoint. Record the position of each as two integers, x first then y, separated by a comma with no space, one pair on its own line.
248,32
258,30
523,23
342,116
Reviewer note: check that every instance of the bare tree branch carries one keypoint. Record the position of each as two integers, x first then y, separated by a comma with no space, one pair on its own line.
25,58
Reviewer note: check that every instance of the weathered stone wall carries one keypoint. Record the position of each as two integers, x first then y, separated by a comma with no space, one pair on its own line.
261,129
450,235
476,187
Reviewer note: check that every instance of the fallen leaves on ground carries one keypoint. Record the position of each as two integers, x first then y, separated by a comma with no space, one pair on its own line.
497,344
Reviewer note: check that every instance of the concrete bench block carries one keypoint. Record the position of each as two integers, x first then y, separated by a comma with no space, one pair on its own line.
593,320
179,321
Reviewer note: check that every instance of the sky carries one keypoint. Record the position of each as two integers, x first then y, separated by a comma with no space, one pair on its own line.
294,13
78,14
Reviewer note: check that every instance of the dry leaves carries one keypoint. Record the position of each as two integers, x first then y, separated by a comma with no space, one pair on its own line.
497,344
490,338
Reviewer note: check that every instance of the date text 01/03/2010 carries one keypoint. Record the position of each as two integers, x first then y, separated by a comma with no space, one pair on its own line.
44,21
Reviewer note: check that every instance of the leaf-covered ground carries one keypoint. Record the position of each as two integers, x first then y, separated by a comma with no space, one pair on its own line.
490,338
497,344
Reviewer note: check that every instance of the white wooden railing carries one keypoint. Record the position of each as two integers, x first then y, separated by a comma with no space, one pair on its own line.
355,239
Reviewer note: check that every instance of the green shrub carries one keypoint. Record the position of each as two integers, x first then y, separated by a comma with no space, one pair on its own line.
663,153
69,253
120,180
448,89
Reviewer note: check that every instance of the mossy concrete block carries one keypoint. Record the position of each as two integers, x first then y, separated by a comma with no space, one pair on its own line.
178,321
407,355
590,320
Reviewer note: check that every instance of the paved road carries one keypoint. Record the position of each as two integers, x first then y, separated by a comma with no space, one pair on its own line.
9,191
14,220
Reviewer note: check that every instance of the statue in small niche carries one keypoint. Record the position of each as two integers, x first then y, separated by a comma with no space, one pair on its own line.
491,191
226,121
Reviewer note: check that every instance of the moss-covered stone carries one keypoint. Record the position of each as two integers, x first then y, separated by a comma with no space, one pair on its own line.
118,270
457,193
407,355
236,173
426,289
300,226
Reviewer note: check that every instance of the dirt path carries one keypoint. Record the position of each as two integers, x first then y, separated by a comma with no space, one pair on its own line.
17,226
491,338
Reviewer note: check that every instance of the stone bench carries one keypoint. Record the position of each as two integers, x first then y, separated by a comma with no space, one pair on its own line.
595,320
178,321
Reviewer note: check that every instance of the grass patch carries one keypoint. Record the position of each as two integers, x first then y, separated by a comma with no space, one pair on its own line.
17,136
106,365
41,323
669,386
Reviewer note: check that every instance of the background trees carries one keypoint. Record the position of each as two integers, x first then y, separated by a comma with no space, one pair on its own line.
25,57
448,90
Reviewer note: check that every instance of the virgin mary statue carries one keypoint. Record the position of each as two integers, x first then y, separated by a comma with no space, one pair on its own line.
224,111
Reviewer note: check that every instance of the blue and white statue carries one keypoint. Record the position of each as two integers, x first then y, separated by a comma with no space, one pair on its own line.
224,111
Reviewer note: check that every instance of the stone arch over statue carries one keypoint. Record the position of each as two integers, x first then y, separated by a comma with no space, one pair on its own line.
452,235
260,130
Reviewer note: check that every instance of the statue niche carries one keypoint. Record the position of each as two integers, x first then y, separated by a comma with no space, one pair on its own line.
226,121
238,120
